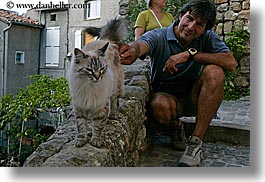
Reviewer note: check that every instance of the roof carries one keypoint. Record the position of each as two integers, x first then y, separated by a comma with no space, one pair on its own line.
11,16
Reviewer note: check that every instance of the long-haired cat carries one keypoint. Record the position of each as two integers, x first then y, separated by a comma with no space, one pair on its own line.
96,80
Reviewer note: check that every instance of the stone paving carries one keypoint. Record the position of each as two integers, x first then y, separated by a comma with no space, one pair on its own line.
232,114
214,154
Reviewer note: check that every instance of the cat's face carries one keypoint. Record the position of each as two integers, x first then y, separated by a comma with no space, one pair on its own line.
92,64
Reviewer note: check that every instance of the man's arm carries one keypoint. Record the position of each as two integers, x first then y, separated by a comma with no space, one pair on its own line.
130,52
224,59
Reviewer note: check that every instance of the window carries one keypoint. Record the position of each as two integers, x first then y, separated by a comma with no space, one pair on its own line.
19,59
92,9
52,46
53,17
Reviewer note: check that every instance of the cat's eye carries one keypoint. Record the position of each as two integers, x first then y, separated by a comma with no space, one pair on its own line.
102,70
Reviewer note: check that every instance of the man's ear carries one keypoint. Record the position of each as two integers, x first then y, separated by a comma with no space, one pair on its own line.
180,16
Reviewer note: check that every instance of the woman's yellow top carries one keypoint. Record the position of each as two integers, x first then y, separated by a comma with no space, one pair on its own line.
147,21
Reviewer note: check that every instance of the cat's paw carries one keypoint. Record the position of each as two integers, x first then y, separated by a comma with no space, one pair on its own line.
80,142
95,142
115,116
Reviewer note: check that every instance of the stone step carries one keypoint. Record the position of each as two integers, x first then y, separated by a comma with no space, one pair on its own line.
219,131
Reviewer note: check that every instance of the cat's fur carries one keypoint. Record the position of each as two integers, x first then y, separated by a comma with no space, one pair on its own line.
96,80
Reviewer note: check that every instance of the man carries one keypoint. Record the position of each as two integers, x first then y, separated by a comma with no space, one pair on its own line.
187,73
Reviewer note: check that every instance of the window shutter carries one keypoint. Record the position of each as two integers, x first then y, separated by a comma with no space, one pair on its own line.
78,39
52,46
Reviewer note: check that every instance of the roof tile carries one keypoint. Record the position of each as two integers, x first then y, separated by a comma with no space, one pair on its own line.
6,15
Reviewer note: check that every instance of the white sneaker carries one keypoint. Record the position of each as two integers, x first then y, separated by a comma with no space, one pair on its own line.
192,155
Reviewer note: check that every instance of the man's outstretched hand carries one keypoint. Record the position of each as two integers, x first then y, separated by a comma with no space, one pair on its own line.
128,53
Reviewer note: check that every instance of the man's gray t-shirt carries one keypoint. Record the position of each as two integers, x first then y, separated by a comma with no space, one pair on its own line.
162,43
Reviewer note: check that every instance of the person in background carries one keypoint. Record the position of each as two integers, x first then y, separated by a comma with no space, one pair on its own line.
187,62
153,17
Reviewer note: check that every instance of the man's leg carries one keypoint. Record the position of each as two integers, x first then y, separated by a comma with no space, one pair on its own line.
164,108
207,95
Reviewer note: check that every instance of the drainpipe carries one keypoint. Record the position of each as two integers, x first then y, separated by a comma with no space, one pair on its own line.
3,76
40,44
3,59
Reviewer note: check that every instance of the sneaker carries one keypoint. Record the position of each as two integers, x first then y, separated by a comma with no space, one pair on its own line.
192,155
178,139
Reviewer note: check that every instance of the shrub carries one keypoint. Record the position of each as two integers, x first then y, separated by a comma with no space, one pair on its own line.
44,93
238,43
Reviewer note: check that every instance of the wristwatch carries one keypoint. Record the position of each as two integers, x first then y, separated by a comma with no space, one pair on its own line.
192,52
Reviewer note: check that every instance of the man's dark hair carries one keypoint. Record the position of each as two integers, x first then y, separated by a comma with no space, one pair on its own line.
205,9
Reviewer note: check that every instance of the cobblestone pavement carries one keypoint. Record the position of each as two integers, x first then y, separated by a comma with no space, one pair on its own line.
233,114
214,155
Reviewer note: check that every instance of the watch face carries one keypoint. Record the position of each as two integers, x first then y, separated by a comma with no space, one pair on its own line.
192,51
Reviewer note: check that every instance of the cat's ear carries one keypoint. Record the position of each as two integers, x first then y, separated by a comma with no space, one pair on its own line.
103,49
78,52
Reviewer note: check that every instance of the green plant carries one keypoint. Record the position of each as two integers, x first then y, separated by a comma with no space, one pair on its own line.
173,6
230,90
134,9
238,43
44,93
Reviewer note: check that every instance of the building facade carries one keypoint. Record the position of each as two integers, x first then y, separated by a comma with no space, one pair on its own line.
20,51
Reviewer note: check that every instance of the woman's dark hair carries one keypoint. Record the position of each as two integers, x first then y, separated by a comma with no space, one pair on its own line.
204,9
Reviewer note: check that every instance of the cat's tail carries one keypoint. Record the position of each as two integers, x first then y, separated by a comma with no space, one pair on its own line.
115,30
93,31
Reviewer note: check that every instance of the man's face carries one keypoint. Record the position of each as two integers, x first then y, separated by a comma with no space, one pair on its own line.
189,28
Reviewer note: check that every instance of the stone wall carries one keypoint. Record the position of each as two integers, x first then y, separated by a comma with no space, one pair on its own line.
231,15
124,138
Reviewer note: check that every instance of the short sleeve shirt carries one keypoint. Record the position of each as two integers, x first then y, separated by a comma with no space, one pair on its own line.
162,43
147,21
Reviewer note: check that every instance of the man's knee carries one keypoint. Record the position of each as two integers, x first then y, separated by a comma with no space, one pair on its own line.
163,107
213,75
160,101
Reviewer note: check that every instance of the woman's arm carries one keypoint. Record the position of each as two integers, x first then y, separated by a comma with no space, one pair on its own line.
138,32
